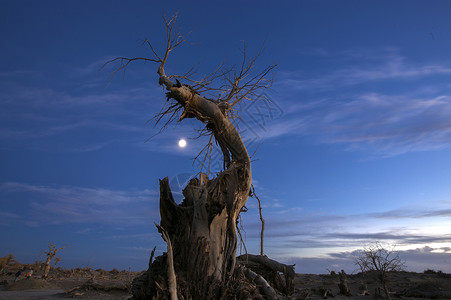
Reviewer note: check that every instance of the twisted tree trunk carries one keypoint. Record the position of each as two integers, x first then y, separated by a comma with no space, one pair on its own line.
204,225
50,254
202,228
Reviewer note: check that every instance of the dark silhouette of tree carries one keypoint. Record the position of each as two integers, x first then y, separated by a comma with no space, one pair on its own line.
382,260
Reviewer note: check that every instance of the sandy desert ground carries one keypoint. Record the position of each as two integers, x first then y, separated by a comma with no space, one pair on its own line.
63,284
99,284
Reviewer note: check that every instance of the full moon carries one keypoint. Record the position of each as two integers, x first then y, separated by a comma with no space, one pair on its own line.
182,143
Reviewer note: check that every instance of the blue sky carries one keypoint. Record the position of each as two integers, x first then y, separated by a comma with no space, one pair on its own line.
354,147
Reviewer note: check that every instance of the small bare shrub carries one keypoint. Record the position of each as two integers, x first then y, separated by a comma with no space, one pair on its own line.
382,260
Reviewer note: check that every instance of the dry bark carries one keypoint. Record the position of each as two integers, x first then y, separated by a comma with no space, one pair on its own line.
264,265
50,254
204,225
260,281
203,228
343,285
172,280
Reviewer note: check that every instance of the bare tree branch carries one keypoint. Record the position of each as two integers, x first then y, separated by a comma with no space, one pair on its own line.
202,230
262,232
228,86
382,259
50,254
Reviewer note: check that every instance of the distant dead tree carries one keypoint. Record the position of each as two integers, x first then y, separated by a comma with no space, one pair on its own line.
49,255
7,261
202,230
381,259
262,231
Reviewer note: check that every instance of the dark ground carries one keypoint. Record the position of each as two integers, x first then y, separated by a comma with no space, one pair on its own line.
99,284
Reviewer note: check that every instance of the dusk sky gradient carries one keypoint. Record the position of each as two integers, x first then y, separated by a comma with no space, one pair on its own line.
355,146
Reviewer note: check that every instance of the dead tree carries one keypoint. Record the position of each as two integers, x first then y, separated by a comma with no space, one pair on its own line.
343,284
172,280
7,261
49,255
262,231
381,259
203,228
270,269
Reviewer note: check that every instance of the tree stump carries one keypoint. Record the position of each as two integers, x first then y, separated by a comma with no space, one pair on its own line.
343,285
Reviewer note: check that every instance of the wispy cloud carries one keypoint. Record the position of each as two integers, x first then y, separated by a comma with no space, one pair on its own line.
40,116
410,213
135,236
396,109
84,231
385,121
362,66
68,204
319,236
416,260
140,249
384,125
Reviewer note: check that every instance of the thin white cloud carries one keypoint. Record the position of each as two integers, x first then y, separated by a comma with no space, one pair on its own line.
135,236
68,204
384,125
364,67
314,236
84,231
398,110
47,115
36,133
7,219
416,260
139,249
18,73
91,147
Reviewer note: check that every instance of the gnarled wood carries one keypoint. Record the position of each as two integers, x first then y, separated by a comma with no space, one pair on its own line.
260,281
172,281
343,285
50,254
275,267
203,228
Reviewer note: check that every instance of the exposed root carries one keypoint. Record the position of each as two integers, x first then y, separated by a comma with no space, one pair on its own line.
244,283
261,282
272,271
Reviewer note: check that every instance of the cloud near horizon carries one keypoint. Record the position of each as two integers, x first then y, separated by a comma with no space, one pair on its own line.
415,260
308,238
